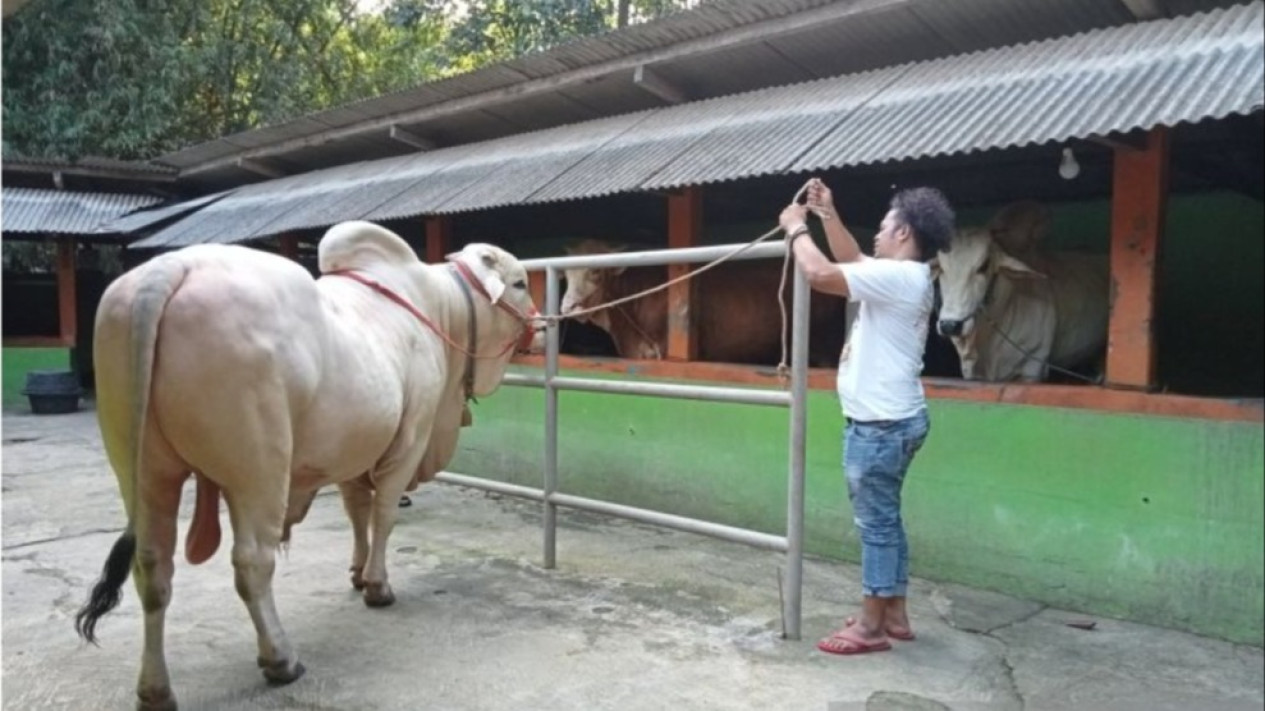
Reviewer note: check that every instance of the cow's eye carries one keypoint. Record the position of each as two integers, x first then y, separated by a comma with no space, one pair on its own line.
982,268
520,284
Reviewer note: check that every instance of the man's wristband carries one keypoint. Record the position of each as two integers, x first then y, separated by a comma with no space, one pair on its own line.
797,232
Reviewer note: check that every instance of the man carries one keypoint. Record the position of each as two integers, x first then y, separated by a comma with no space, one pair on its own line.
878,382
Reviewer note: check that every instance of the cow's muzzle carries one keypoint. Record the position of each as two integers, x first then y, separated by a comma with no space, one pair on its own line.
568,309
953,327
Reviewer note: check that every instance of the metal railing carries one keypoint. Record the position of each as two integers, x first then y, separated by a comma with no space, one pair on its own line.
791,543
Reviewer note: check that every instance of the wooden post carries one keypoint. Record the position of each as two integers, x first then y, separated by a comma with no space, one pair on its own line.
536,284
66,304
438,238
685,227
290,246
1139,197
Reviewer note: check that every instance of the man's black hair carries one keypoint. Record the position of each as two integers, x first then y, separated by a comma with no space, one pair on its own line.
929,215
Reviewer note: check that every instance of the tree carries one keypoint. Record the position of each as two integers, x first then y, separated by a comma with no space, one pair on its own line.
134,79
137,78
485,31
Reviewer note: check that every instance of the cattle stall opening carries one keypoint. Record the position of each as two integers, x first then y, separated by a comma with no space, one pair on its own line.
1197,340
1198,305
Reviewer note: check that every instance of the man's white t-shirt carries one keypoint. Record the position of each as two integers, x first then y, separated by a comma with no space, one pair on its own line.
879,380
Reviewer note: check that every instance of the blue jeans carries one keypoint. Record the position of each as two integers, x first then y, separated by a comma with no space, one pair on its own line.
876,456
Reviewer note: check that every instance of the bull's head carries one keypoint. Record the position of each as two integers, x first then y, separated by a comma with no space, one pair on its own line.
508,313
968,277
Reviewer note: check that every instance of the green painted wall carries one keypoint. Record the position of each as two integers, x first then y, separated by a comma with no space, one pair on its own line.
1151,519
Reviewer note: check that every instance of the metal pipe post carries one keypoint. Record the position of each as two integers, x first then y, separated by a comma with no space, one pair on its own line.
799,432
551,418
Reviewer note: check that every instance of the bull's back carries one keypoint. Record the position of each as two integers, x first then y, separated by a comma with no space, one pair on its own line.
1080,287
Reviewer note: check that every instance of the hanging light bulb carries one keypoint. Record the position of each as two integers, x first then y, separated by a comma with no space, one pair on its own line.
1068,167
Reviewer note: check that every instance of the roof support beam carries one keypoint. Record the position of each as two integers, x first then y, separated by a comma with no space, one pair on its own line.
1139,197
158,175
685,227
259,168
409,138
67,310
647,79
438,238
1120,141
754,32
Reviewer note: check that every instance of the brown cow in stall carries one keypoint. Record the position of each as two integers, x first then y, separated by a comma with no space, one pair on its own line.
736,307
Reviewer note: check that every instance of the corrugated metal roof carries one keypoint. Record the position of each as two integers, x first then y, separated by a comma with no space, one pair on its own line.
31,210
727,46
1152,74
88,162
143,219
1137,76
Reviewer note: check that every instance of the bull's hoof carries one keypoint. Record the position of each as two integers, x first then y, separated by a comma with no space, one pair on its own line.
357,578
281,672
379,595
155,700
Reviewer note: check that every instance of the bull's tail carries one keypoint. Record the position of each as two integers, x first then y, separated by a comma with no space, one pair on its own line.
160,280
108,590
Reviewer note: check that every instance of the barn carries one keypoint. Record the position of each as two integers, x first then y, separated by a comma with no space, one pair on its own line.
1138,122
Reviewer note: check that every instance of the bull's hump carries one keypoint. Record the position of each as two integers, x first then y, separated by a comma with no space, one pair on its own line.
362,245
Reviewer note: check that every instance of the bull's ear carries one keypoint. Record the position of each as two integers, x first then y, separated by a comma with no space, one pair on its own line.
934,264
1018,269
492,281
494,286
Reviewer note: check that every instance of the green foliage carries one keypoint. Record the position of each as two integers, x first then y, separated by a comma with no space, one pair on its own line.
502,29
134,79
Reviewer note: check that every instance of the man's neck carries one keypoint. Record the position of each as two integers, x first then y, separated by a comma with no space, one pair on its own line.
907,253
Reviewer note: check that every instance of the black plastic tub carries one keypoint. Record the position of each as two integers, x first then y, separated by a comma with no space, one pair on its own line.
52,392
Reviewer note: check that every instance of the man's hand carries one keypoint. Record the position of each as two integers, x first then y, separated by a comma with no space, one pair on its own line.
820,200
793,217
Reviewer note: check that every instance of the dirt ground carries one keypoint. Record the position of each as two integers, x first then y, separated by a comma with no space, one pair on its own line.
633,618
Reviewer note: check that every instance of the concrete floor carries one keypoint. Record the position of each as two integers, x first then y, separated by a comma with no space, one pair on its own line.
633,618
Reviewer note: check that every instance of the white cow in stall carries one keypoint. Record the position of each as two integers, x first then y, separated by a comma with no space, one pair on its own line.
235,366
1009,318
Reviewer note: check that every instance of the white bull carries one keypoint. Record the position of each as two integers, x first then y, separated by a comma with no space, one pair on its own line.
235,366
1009,319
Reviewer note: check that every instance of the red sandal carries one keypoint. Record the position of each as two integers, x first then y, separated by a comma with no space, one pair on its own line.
847,641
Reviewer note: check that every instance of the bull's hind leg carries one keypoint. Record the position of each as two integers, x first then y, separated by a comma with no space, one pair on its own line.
158,502
358,503
258,516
